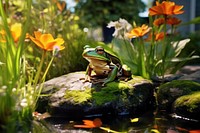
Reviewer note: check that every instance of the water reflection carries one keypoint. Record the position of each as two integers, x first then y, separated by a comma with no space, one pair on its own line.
150,122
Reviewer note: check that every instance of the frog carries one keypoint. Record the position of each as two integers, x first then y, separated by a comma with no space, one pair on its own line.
104,63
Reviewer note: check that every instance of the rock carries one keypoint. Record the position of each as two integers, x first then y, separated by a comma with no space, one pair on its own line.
194,77
188,69
188,106
169,92
71,97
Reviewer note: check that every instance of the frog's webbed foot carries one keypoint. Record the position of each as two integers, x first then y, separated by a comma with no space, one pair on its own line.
86,79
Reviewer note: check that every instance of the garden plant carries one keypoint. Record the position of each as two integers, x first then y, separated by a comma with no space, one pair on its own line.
32,34
41,39
152,49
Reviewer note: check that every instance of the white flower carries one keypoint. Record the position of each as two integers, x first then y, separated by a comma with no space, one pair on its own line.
85,30
24,103
14,90
121,28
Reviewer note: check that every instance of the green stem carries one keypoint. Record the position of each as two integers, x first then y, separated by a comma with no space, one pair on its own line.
39,69
164,50
47,69
142,65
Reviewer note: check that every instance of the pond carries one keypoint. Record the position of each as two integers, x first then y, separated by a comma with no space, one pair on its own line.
151,122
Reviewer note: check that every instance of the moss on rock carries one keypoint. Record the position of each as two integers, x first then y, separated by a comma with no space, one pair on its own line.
188,105
78,96
110,93
90,98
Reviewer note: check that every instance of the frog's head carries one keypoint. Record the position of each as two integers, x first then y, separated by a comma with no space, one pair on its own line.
97,53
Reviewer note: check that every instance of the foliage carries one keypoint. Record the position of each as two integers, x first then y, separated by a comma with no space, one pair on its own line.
98,13
151,50
63,24
12,73
28,49
193,47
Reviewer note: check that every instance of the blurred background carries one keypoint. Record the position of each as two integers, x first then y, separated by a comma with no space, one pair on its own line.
81,22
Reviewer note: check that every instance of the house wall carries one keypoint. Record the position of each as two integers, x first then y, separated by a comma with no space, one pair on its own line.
192,10
186,16
197,26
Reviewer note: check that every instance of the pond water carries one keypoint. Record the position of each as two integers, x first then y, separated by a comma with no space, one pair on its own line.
150,122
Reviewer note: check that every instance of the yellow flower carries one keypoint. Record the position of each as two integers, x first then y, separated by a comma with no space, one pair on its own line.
15,29
139,31
2,36
165,8
47,42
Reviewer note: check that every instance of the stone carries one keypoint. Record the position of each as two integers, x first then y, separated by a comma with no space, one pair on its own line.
188,106
193,77
169,92
69,96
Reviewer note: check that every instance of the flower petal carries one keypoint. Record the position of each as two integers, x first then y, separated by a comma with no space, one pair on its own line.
177,9
37,42
59,41
46,38
16,31
50,46
165,8
37,34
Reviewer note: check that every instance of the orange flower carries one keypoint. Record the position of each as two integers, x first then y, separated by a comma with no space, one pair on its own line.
165,8
90,124
158,36
15,30
61,5
138,31
173,21
47,42
159,21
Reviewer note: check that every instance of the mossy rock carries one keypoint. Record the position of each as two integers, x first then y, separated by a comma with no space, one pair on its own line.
73,97
169,92
188,105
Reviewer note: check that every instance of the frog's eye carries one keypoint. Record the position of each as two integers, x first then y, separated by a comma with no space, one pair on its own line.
99,50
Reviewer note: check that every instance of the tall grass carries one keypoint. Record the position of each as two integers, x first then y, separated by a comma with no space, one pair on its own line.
24,66
12,72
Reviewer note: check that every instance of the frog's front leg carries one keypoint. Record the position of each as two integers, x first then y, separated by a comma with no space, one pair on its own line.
112,75
88,73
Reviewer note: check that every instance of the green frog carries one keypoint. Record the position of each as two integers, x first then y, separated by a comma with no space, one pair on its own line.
103,63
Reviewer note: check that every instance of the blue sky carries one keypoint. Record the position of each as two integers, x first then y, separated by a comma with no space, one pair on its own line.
70,3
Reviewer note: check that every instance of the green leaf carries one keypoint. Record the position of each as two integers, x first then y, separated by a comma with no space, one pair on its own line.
179,45
193,21
183,59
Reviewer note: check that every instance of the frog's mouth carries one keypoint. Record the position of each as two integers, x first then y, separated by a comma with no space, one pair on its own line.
95,56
